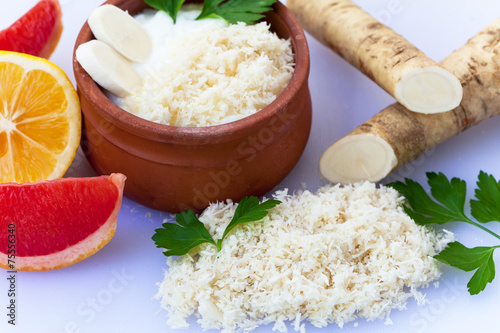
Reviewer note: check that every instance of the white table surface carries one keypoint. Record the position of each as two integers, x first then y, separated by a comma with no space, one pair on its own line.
112,290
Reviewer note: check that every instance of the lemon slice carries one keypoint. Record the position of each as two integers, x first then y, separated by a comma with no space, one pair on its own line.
40,119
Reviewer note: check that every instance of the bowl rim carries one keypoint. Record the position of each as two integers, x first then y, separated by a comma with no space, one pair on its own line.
197,135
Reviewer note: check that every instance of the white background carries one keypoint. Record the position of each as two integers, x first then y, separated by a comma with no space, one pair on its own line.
112,291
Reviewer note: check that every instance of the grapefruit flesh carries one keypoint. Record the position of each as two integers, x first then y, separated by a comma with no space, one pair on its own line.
53,224
37,32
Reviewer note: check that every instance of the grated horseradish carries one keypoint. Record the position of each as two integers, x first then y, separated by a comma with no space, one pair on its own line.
205,72
340,254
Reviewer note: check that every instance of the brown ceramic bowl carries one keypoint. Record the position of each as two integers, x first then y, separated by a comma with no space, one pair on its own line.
173,168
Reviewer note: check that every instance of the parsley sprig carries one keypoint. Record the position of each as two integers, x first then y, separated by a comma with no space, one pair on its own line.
233,11
179,239
171,7
448,206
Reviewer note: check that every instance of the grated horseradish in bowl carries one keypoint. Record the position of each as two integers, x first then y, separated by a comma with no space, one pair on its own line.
207,72
172,167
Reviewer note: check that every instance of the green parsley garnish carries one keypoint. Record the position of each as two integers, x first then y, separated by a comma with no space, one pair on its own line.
171,7
233,11
180,238
448,206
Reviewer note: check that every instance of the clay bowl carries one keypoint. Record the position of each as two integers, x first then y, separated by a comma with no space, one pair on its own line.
173,168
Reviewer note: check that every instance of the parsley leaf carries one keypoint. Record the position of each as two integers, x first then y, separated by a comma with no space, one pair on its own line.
190,232
449,193
248,210
233,11
487,207
480,258
424,210
180,238
449,206
171,7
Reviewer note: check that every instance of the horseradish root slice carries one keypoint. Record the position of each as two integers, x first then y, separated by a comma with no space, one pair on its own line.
122,32
108,68
386,57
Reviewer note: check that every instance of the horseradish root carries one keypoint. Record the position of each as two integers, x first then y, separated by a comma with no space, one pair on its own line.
396,136
387,58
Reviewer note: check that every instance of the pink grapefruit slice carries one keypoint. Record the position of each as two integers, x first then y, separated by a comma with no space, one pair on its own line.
53,224
37,32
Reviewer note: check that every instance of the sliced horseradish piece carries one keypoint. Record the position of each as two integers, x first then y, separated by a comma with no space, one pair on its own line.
122,32
108,68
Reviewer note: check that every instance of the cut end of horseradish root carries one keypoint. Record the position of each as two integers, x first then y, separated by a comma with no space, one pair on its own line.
355,158
429,90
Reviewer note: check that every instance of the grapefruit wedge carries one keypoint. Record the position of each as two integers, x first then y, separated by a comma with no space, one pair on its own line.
37,32
53,224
